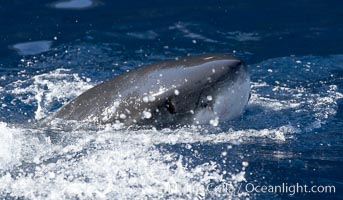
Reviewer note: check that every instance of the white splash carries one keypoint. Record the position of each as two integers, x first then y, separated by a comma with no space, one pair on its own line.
111,164
146,114
56,86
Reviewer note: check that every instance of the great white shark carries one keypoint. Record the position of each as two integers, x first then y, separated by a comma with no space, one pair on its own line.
195,90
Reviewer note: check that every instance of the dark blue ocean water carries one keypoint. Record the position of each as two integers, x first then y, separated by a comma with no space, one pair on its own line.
290,134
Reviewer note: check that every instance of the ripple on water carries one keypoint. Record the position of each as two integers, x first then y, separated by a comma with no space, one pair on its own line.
32,48
74,4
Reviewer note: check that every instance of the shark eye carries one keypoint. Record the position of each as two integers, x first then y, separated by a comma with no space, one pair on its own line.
170,107
204,104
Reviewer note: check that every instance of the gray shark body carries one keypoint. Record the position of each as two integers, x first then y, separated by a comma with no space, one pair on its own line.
206,89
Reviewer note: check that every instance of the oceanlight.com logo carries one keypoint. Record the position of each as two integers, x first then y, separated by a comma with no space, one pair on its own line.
227,188
290,189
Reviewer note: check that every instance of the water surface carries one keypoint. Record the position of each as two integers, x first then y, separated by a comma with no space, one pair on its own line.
290,133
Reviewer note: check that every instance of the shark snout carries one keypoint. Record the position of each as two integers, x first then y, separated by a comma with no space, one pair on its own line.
226,69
